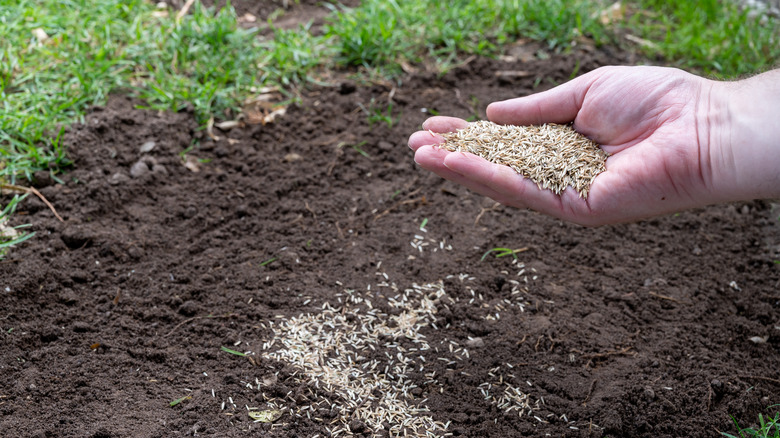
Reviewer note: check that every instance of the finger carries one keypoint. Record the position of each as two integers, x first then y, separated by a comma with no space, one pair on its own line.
558,105
424,138
432,158
444,124
511,188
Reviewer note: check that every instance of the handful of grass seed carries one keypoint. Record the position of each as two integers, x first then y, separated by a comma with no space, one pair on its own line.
553,156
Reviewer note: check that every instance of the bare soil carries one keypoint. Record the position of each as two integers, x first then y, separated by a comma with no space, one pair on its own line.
631,330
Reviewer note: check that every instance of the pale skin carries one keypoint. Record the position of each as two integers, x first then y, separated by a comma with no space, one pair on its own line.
677,141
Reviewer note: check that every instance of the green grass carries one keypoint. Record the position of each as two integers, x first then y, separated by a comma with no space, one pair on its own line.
91,49
179,400
359,148
501,252
10,236
768,428
268,262
385,34
234,352
375,114
714,37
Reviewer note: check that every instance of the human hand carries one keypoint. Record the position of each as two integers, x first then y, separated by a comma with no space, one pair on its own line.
667,132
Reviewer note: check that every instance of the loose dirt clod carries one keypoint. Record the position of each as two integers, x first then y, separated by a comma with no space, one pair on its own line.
553,156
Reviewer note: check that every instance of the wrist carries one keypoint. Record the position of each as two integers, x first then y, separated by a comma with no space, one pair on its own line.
744,149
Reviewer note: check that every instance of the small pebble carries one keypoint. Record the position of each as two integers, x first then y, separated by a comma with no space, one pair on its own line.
292,157
139,169
118,179
147,147
475,343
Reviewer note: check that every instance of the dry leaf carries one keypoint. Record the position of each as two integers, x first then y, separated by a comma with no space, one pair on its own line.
270,379
268,416
270,117
192,164
641,41
408,68
40,35
247,18
615,12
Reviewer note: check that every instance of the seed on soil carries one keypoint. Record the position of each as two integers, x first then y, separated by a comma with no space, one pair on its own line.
553,156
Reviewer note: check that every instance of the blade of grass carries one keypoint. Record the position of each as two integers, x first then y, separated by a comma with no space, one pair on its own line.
179,400
227,350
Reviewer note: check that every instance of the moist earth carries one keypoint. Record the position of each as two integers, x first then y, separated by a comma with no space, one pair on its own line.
183,249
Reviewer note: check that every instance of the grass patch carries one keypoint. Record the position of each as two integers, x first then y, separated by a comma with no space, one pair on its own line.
386,34
768,428
376,114
10,236
711,36
56,60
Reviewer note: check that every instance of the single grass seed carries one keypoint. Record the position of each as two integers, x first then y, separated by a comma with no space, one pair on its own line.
553,156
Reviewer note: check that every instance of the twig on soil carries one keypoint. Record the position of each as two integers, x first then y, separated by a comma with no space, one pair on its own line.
400,203
10,261
590,391
193,319
484,210
592,356
306,204
35,192
538,341
603,355
332,165
664,297
768,379
522,340
338,228
184,10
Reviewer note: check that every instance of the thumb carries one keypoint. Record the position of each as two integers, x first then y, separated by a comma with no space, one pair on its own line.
558,105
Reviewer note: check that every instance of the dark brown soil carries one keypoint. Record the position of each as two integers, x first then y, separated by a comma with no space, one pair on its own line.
631,330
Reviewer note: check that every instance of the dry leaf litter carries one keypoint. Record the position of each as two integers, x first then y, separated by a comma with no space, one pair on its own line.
553,156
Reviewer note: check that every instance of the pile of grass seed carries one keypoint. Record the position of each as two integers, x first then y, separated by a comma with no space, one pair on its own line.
553,156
